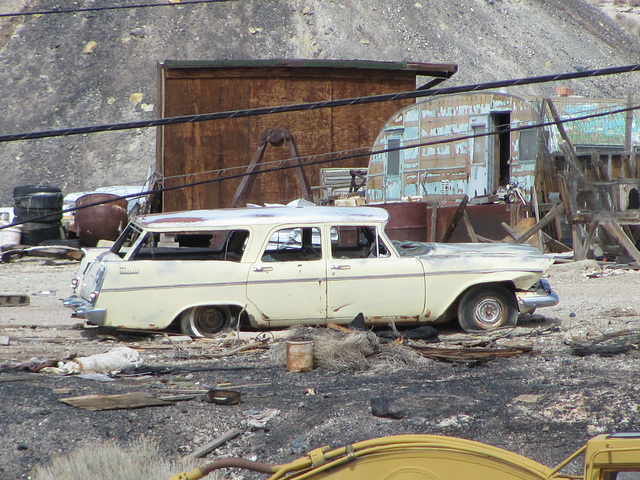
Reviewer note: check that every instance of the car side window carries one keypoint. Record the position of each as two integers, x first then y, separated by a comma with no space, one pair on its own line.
294,244
357,242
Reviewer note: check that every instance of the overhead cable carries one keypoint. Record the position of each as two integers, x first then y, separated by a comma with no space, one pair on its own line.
112,7
317,105
317,159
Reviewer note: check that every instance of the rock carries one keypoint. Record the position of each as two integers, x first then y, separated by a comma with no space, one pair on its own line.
386,407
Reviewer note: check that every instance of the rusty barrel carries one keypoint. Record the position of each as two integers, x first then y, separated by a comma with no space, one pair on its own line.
299,355
100,222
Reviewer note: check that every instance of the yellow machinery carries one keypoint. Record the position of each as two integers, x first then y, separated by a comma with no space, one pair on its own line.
433,457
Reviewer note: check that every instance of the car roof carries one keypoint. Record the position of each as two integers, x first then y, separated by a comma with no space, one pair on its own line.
238,217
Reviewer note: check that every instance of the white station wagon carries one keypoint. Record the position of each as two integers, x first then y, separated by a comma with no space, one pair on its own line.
202,271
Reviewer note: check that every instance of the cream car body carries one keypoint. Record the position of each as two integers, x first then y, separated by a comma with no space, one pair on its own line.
280,266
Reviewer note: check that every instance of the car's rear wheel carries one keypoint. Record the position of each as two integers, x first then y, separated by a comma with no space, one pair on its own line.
485,308
207,321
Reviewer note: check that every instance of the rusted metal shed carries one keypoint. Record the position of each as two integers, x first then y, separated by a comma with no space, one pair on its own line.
185,152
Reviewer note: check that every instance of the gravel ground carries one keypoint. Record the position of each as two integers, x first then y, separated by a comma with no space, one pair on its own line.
543,404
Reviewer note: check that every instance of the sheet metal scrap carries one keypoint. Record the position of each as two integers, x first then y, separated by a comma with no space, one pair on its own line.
57,251
467,355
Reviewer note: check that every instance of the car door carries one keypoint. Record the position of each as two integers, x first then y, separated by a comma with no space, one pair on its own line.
364,276
287,283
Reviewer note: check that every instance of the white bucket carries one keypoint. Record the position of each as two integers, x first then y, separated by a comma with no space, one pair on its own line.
10,235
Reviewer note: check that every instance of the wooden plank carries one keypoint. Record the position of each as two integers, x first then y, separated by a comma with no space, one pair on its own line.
554,244
115,402
455,219
222,439
434,222
470,231
548,218
567,147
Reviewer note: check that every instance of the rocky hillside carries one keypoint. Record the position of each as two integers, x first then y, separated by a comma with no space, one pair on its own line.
95,67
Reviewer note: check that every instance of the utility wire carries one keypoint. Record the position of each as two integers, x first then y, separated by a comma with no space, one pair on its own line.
113,7
330,157
317,105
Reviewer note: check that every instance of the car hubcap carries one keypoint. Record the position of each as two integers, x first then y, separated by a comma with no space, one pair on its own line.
489,311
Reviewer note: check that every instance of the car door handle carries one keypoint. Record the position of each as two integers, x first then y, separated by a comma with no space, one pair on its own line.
262,269
340,267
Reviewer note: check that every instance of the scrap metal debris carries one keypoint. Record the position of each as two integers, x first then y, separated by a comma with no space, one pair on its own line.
57,251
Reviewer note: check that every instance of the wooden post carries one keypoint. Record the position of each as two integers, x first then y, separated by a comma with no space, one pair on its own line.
455,219
580,251
434,223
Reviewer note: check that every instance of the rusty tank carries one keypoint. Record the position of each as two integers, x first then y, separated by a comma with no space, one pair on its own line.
100,216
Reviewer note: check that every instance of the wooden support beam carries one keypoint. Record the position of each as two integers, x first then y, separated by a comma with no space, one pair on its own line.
555,245
455,219
580,251
249,179
616,231
470,231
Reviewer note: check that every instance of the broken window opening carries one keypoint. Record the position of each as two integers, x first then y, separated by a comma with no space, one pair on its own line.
225,245
357,242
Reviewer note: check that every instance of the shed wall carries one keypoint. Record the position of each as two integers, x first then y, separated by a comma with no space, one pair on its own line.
186,150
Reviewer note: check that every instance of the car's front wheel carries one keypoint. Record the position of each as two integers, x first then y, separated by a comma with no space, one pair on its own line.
207,321
485,308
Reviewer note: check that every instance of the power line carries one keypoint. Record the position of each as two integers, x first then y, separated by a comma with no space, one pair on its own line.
331,157
113,7
318,105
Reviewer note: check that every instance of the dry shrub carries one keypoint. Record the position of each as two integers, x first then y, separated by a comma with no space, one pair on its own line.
356,351
138,460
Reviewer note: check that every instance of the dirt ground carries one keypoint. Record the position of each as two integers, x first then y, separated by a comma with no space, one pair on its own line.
543,404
